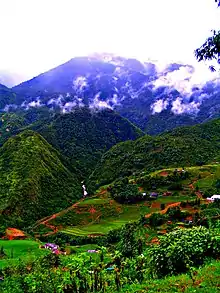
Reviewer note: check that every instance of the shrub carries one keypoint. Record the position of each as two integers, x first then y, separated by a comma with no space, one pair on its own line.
162,206
182,248
156,219
213,212
174,213
128,244
175,186
124,192
183,204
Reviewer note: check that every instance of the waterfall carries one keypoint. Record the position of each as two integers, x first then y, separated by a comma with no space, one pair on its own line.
85,193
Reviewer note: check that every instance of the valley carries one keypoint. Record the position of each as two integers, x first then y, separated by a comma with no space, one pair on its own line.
105,180
98,220
99,214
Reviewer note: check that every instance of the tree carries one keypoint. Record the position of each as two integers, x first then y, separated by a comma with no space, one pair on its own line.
140,246
128,244
162,206
211,48
125,192
218,1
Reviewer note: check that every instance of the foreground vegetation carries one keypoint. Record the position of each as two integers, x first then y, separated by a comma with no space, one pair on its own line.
203,280
128,267
148,253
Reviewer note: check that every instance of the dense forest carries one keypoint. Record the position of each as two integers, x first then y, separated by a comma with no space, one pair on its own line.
34,180
82,135
181,147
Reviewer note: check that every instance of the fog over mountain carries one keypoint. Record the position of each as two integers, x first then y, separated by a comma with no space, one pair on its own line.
144,92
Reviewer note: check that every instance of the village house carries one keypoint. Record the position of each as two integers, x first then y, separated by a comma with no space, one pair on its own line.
214,197
153,195
168,193
53,247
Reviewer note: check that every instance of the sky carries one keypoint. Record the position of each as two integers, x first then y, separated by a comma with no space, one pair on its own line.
37,35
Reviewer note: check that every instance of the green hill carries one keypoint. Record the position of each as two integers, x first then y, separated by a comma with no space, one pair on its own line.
34,182
187,146
84,135
7,96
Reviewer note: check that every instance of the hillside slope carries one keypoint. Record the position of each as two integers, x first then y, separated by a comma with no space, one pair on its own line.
7,96
82,135
33,180
186,146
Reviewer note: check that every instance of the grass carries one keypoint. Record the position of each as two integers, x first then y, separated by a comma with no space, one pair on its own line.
206,182
105,226
169,199
206,280
127,213
94,201
193,170
16,249
77,231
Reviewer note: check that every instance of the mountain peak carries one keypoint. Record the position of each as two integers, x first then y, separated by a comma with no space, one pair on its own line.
140,91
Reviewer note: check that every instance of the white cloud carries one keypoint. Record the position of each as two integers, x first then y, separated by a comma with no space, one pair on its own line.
56,101
10,106
159,106
185,78
115,99
179,108
96,103
34,104
79,83
68,107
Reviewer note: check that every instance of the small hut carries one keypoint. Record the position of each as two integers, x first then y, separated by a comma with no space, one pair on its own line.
154,195
13,233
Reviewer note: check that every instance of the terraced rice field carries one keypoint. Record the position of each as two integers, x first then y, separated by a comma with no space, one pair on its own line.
77,231
94,201
95,229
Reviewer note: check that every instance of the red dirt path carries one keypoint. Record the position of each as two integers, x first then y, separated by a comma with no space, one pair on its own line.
46,221
164,174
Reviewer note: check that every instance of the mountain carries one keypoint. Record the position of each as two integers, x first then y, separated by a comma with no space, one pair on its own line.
7,96
155,99
34,180
187,146
82,136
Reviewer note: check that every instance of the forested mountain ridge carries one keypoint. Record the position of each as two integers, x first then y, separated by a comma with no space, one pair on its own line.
186,146
82,135
34,181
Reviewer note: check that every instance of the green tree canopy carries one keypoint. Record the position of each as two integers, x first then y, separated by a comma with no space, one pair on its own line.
211,48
